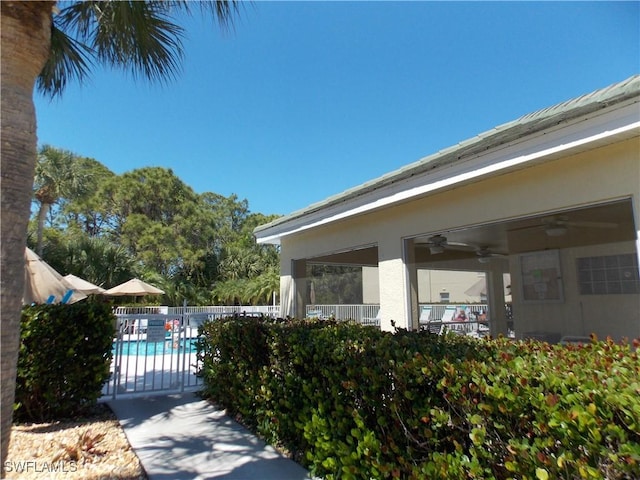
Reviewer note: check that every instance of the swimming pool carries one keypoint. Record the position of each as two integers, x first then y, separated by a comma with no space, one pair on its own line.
142,348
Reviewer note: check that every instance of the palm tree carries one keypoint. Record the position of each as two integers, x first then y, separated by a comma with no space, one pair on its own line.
98,260
41,43
261,289
58,174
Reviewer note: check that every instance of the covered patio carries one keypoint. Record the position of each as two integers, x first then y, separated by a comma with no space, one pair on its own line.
552,199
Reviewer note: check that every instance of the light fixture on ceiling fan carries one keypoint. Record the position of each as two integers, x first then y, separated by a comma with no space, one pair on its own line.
485,255
438,244
556,230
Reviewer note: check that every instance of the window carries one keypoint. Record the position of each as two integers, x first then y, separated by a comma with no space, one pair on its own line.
541,277
444,297
609,275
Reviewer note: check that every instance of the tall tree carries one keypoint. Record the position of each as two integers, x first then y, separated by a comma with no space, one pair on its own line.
92,213
139,36
160,220
59,173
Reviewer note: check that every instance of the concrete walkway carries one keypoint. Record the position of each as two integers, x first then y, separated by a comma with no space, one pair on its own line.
183,437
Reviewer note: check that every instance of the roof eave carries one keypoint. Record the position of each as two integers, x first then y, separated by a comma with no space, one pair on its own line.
530,125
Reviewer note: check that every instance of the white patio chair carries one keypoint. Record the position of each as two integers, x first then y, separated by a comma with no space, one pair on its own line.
425,315
449,312
375,321
315,314
446,322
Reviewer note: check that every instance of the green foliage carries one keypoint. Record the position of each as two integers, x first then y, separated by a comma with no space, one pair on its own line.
335,284
147,223
144,38
94,259
355,402
65,353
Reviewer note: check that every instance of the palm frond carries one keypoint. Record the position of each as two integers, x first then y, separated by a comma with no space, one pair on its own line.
223,11
68,60
140,36
134,35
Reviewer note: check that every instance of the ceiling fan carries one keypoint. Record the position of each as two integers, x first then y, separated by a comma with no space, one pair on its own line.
485,255
558,225
439,243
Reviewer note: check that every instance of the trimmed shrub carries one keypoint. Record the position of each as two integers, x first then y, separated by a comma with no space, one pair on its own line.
64,359
353,402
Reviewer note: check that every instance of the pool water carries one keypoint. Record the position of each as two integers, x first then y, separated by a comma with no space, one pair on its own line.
142,348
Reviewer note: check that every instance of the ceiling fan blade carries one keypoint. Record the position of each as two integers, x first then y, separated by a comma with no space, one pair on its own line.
527,227
441,240
487,252
592,224
467,247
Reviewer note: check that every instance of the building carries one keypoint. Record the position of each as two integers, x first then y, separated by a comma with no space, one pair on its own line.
551,198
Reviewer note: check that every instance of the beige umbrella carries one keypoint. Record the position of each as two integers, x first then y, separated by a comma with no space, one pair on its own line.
480,288
134,288
477,289
42,284
83,286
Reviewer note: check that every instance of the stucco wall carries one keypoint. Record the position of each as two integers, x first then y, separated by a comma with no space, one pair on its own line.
616,315
601,175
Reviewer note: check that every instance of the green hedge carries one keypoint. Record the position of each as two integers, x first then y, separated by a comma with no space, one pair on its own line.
65,353
356,403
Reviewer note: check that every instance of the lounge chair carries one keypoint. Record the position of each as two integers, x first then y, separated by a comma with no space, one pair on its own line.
449,312
315,314
429,322
446,320
425,316
374,322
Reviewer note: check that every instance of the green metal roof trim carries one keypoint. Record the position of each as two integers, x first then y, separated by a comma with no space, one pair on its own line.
500,135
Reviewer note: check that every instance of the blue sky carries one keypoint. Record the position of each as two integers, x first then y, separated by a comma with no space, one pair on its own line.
303,100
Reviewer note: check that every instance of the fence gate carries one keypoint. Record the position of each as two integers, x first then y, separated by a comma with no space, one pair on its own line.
154,353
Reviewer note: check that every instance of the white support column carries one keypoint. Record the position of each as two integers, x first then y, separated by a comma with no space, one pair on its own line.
300,281
394,294
636,219
287,290
495,299
412,281
292,287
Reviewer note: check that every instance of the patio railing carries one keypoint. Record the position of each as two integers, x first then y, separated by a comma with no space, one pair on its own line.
357,312
362,312
267,310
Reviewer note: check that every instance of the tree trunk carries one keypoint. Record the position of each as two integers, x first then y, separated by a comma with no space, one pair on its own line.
42,216
25,38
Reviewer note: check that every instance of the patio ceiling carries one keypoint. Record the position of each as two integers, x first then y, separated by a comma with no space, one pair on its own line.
599,224
594,225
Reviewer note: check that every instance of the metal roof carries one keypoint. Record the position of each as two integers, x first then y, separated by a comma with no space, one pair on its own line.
517,129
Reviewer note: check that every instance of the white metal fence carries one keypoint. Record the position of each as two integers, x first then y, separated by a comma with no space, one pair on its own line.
359,313
339,312
362,313
219,310
154,352
154,347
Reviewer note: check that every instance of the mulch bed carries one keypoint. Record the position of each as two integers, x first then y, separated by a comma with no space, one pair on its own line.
90,448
